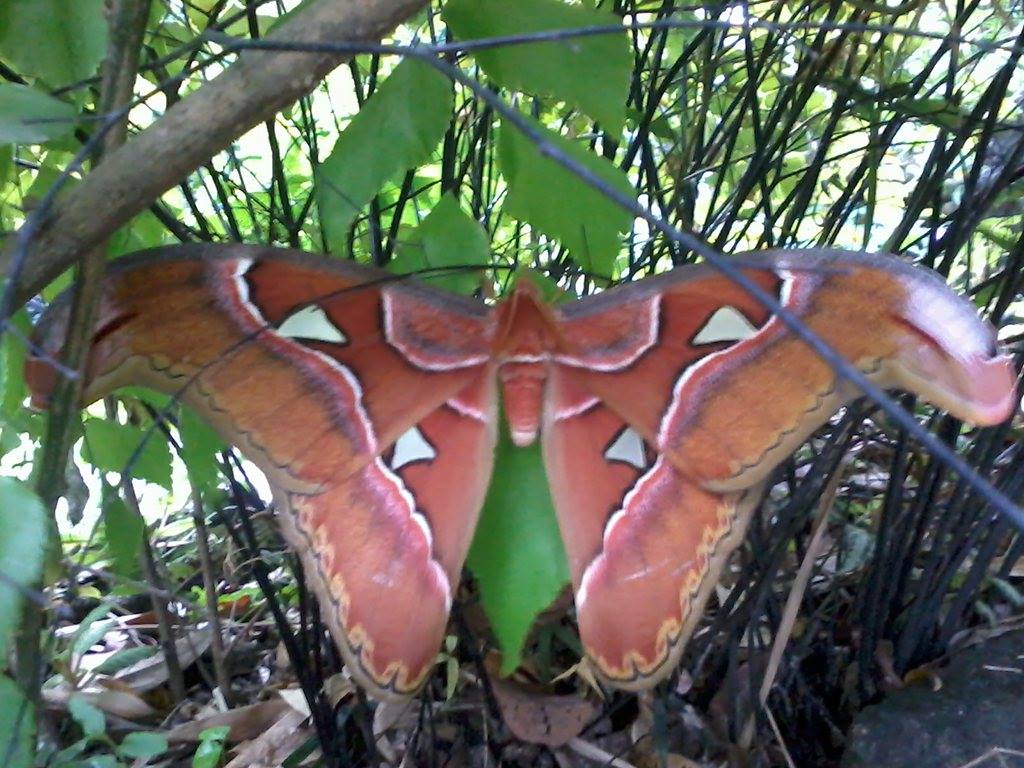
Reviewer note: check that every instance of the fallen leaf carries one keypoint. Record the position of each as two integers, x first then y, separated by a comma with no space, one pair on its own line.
274,745
152,672
112,701
245,722
296,700
536,717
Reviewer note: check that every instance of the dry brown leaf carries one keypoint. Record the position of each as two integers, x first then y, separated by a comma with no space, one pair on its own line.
296,700
275,744
926,674
393,714
245,722
338,687
887,666
152,672
112,701
595,754
540,718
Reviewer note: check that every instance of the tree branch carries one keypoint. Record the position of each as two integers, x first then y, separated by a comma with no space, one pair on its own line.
248,92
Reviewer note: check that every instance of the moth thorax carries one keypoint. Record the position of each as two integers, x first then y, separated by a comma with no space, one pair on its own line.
523,390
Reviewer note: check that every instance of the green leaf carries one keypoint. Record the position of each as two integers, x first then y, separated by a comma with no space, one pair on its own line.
397,128
448,237
28,116
199,448
17,719
142,745
91,630
940,112
517,554
211,747
6,163
592,73
60,41
110,446
556,202
126,658
13,389
123,530
90,718
22,542
143,231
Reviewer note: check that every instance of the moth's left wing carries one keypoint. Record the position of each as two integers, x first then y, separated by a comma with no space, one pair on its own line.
677,396
368,403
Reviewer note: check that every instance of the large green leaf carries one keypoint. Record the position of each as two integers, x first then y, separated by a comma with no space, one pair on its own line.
143,231
61,41
110,446
142,745
88,716
556,202
397,128
123,529
592,73
29,116
17,719
6,163
199,448
448,237
22,543
517,554
13,389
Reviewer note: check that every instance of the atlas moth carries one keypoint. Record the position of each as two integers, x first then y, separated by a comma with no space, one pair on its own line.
662,406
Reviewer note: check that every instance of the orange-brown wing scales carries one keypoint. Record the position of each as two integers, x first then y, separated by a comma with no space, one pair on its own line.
671,400
387,544
641,372
374,423
370,551
639,601
728,392
645,546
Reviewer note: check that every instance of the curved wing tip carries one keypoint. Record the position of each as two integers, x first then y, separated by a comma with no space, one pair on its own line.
989,393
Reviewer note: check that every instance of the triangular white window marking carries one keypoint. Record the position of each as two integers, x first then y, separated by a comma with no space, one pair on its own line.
311,323
726,324
627,447
411,446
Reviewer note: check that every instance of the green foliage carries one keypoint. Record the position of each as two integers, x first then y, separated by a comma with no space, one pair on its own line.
59,41
142,745
143,231
12,367
592,72
6,164
22,543
517,554
397,128
110,446
123,530
28,116
559,204
17,717
199,447
104,753
211,747
747,136
447,239
91,630
90,719
126,658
